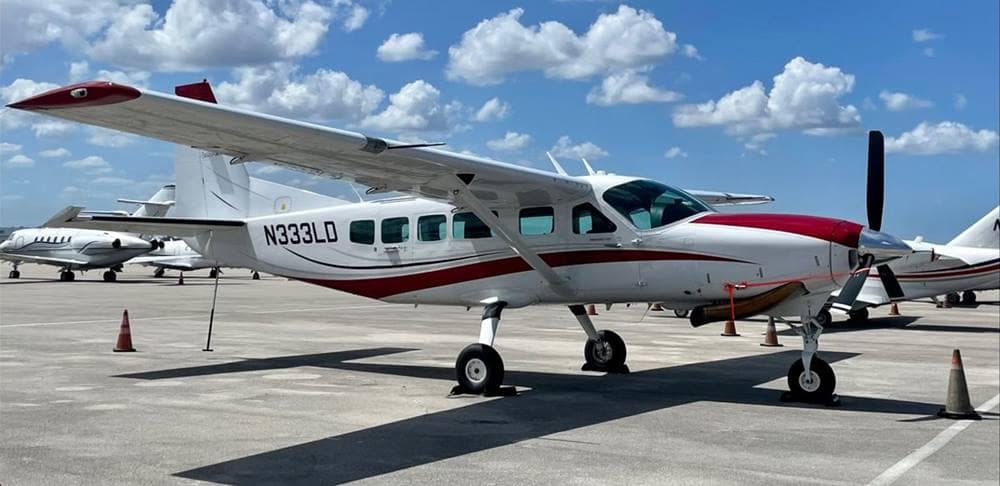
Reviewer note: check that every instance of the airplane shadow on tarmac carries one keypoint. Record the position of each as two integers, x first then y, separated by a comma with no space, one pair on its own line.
896,322
555,403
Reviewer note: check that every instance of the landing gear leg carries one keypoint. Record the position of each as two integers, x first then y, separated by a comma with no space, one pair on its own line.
479,368
605,351
810,379
158,273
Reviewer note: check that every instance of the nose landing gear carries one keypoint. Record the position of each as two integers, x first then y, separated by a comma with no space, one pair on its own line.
810,379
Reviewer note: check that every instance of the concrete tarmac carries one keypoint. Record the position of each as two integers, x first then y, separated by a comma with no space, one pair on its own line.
311,386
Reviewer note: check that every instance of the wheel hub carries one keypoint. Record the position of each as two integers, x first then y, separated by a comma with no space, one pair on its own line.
602,352
809,382
475,370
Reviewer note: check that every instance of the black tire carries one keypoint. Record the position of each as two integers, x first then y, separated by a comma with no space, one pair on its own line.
607,352
818,392
479,369
71,276
824,319
256,276
681,312
859,316
110,276
212,274
14,274
968,297
158,273
953,298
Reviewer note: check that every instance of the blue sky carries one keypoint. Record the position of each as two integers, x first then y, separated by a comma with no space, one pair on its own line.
722,96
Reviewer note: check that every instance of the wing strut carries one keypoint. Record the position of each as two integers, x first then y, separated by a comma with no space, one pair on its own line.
466,198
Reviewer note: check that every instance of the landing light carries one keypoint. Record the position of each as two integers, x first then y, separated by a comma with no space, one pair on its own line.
79,93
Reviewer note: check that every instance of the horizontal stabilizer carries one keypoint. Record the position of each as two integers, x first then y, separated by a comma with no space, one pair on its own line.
166,204
72,217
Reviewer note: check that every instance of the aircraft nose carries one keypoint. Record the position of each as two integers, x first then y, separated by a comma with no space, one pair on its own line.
5,245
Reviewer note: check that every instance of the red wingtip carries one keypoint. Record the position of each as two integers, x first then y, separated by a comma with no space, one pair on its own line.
90,93
198,91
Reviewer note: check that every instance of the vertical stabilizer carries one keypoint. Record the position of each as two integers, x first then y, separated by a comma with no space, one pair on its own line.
156,206
984,233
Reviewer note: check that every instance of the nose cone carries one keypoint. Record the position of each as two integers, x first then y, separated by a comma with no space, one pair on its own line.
882,246
5,245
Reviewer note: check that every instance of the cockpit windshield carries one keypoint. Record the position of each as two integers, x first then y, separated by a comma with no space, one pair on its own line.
649,204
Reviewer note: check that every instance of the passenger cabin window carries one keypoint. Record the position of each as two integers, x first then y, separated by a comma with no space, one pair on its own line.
588,220
648,204
536,221
395,230
363,232
432,228
468,226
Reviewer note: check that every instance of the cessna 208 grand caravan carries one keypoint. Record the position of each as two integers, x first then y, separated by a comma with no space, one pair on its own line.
484,233
82,249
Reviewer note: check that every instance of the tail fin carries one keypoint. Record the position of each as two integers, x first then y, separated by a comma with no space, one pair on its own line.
209,186
984,233
156,206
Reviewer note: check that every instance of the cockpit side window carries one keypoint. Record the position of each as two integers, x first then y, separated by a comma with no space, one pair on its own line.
648,204
588,220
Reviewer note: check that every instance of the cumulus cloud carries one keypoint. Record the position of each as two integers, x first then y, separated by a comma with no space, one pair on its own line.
92,165
9,148
565,147
675,152
404,47
278,89
194,35
629,87
924,35
54,153
19,161
895,101
502,45
691,51
494,109
510,142
353,14
415,107
26,25
17,90
80,71
102,137
804,96
941,138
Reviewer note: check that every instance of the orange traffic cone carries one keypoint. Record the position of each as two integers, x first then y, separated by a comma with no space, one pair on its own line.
591,310
958,405
124,343
894,309
656,308
729,329
771,336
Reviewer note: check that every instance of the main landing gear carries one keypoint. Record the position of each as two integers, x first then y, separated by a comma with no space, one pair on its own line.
810,379
67,276
158,273
479,367
110,276
255,275
968,297
14,273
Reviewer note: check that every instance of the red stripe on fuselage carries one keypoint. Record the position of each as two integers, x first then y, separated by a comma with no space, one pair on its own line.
381,287
837,231
949,273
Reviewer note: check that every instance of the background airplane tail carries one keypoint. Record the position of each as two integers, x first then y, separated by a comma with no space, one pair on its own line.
984,233
156,206
208,186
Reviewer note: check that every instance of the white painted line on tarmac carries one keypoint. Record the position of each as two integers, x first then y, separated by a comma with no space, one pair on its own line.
160,318
897,470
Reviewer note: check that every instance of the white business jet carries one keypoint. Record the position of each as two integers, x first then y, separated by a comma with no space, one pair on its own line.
477,232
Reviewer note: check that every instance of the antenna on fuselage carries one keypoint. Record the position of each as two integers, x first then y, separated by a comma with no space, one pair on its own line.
555,163
586,165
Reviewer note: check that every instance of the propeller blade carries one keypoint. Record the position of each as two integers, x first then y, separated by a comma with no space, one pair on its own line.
876,179
845,301
889,282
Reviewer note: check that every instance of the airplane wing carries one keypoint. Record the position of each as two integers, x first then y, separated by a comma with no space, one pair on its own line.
73,217
15,257
171,262
381,164
715,198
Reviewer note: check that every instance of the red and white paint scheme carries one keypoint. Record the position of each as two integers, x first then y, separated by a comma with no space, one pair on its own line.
476,232
969,262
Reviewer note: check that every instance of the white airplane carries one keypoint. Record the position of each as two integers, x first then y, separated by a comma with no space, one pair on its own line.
72,249
969,262
477,232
